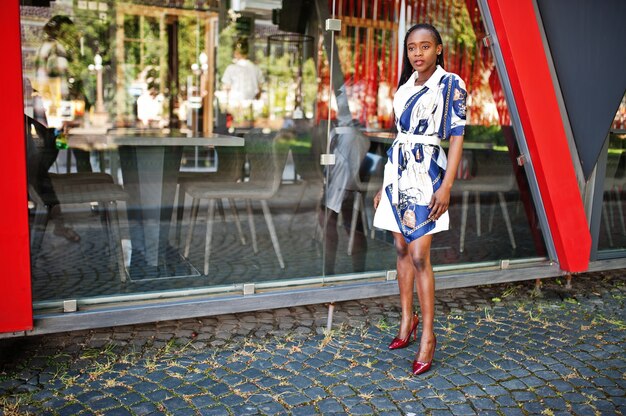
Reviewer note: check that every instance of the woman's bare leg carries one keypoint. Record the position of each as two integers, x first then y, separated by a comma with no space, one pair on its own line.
420,259
406,279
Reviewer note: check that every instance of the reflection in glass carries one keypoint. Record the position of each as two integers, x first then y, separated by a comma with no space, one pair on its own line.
492,213
612,238
142,215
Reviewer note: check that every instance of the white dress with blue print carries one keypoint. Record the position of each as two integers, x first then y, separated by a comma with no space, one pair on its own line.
436,108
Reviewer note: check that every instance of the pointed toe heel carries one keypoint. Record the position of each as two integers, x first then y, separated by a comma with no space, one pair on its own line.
420,367
398,343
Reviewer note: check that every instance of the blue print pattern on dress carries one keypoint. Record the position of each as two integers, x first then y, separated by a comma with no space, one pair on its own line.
459,96
422,126
458,101
436,108
446,119
405,117
455,109
412,211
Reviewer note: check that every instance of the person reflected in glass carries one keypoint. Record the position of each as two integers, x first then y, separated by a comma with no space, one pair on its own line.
350,148
429,107
42,149
52,78
242,81
150,102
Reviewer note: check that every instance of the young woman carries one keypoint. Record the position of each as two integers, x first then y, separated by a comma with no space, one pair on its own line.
429,106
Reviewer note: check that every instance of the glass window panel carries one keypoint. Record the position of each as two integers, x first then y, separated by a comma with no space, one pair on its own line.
492,214
131,27
137,185
612,237
132,52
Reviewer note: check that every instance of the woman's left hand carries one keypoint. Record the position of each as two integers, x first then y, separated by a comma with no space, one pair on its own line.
439,203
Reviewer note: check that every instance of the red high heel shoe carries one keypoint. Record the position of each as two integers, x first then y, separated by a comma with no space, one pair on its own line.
398,343
421,367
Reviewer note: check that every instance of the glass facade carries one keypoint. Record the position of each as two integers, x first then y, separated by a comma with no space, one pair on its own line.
175,145
612,236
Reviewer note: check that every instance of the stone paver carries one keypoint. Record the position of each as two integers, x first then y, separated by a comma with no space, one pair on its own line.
502,350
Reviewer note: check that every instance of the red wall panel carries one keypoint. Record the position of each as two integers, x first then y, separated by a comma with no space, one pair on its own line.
15,288
524,56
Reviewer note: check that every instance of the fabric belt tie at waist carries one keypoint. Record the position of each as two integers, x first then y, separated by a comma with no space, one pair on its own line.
401,140
405,138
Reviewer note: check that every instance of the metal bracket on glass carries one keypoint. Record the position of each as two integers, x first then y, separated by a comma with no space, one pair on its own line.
504,264
333,25
327,159
487,41
521,160
70,305
248,289
391,275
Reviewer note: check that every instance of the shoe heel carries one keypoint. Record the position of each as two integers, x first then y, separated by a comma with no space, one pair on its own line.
420,367
401,343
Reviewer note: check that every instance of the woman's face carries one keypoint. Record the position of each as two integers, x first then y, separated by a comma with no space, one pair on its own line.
422,50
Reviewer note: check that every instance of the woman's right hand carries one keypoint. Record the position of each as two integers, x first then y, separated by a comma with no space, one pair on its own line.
377,198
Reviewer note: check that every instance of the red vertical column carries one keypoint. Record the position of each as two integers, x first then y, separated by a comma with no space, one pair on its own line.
15,289
527,67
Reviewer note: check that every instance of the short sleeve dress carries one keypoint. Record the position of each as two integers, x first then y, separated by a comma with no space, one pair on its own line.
425,115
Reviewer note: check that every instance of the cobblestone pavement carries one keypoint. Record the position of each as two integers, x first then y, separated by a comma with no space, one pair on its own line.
503,349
